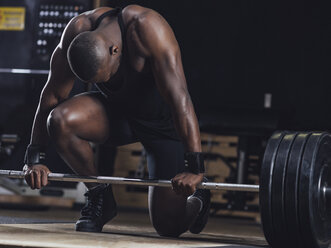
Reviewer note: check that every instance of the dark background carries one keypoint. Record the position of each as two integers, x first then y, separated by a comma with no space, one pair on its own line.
234,52
19,93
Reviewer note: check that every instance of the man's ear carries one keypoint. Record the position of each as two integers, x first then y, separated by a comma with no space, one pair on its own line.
113,50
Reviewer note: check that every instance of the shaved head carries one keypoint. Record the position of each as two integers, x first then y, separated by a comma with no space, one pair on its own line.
87,54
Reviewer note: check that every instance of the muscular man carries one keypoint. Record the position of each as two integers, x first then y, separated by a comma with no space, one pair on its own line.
133,58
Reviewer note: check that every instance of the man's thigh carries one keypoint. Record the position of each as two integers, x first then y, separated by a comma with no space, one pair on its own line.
167,209
119,130
165,158
83,116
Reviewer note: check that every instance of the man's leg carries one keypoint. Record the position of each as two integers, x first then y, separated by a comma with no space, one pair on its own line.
83,119
171,214
75,123
72,126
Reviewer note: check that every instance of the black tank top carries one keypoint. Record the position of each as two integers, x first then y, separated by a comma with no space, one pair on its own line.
135,93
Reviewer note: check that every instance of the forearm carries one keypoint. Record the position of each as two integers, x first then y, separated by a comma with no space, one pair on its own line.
187,126
39,135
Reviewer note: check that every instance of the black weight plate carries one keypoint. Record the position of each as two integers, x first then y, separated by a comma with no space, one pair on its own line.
266,184
315,226
291,189
280,232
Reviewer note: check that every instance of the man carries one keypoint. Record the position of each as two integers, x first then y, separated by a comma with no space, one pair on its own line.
133,58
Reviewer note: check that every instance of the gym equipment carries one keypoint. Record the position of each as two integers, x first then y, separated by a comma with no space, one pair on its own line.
130,181
295,196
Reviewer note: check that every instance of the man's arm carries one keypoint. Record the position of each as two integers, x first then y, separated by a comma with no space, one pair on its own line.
161,48
171,82
159,45
60,81
56,90
59,84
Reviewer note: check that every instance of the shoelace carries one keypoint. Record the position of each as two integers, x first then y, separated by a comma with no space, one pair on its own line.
93,207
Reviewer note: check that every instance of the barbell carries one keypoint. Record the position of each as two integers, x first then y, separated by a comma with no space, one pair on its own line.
131,181
295,192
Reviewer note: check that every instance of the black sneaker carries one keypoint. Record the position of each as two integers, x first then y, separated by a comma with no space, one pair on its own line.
98,210
201,221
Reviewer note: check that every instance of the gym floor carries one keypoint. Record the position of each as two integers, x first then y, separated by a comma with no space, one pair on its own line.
55,228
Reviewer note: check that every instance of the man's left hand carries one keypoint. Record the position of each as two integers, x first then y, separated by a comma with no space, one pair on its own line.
185,183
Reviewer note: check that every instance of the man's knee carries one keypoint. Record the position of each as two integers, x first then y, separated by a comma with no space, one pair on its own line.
168,222
167,212
169,229
58,122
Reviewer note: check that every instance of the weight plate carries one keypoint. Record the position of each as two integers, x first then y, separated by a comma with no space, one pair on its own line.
291,189
266,184
280,231
315,226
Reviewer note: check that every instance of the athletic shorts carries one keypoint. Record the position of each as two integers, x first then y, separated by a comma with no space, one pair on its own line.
165,156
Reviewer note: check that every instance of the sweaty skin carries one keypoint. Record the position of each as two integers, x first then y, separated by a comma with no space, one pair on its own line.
151,43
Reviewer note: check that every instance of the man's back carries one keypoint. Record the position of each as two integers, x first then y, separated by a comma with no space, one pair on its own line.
144,28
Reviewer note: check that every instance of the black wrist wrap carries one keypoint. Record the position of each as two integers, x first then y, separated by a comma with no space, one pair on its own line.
34,154
194,161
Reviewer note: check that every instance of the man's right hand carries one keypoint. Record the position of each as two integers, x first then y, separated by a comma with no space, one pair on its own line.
36,176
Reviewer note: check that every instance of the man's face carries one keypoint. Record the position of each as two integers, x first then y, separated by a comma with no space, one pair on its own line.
103,75
108,60
110,65
104,71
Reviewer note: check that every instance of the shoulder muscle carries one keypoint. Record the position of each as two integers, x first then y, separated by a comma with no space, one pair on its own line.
154,34
76,26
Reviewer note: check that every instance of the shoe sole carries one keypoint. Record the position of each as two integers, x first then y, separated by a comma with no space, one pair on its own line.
90,227
201,221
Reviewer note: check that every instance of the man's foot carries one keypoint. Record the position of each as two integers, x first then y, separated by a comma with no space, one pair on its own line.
204,196
98,210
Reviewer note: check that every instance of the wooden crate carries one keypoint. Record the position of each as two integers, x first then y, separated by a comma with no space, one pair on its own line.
124,163
217,169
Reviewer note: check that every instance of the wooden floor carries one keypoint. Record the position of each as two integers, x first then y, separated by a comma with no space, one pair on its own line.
55,228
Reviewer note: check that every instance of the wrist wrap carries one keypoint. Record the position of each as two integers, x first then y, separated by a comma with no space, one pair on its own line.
35,154
194,162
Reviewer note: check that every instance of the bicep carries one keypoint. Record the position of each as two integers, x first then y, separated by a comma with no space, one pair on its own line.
60,79
159,45
169,76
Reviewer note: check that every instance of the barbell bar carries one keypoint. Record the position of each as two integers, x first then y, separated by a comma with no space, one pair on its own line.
131,181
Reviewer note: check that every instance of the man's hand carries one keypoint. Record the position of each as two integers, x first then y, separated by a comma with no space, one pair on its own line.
36,175
185,183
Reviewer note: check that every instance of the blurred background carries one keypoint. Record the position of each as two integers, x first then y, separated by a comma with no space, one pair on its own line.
252,67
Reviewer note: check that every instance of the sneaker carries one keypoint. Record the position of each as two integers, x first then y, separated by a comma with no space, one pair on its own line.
98,210
201,221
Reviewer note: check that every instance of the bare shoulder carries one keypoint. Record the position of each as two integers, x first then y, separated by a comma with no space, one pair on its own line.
75,26
92,15
81,23
143,17
149,28
134,10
